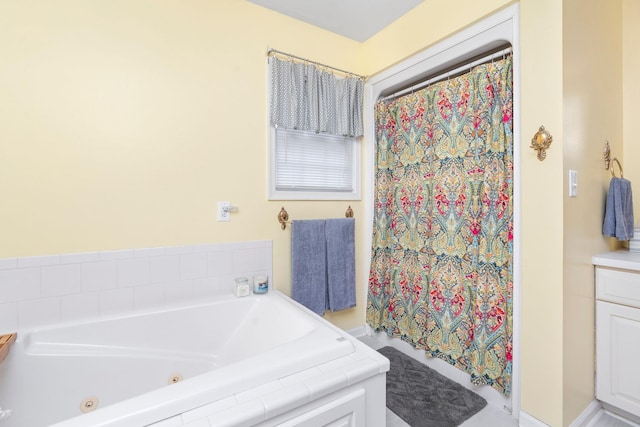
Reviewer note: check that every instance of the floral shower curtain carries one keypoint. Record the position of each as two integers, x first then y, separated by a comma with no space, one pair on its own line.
441,274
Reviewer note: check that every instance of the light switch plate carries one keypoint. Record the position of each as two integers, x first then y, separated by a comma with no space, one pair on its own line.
573,183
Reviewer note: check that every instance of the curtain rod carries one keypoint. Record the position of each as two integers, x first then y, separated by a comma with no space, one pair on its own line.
271,52
447,74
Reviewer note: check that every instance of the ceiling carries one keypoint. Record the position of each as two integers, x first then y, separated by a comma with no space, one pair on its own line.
355,19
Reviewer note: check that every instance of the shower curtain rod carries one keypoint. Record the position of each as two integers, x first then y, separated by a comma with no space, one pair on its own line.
447,74
271,52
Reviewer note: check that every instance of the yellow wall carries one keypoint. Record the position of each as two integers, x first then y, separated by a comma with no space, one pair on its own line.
631,110
123,122
542,189
592,41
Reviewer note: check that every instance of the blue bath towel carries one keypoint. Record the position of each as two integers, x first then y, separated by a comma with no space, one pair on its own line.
618,216
341,263
309,264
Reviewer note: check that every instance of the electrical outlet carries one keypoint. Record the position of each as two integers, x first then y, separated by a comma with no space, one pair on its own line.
224,209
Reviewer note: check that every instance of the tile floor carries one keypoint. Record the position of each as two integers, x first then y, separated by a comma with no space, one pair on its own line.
610,421
490,415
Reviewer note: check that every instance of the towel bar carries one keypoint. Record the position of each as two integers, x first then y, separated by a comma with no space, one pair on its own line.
283,216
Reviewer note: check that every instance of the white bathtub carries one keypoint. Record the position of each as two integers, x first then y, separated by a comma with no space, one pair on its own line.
220,349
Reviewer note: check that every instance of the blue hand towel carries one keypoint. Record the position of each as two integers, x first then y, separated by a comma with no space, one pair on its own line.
341,263
618,216
309,264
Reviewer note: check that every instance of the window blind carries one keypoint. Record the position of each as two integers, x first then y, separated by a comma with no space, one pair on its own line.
307,161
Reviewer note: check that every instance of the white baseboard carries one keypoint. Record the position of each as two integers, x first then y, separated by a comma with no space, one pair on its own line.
589,417
526,420
357,332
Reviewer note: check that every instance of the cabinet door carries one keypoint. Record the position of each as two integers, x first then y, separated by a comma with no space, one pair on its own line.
618,356
346,411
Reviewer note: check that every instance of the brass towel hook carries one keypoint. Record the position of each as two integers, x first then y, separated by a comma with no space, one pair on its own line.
283,218
607,161
349,212
541,142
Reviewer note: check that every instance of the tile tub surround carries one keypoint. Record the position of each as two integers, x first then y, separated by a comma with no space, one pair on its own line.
43,290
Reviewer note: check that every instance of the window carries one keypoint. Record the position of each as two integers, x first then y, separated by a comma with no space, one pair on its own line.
311,111
313,166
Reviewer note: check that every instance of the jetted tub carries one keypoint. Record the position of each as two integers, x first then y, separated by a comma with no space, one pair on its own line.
144,368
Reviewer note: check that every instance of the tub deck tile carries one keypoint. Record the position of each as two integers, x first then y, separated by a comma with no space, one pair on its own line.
256,392
243,415
168,422
203,422
360,370
208,409
326,384
334,365
300,376
286,399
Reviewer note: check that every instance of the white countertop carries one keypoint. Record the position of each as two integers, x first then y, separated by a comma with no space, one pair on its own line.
618,259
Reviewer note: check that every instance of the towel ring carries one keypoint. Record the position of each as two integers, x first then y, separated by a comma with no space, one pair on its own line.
607,161
613,174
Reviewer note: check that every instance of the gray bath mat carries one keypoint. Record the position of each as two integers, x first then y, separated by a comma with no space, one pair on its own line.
425,398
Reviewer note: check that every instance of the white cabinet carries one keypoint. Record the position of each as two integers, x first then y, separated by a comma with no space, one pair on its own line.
618,338
360,405
345,411
618,354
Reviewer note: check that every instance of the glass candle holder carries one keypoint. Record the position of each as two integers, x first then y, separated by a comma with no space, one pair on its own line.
260,284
